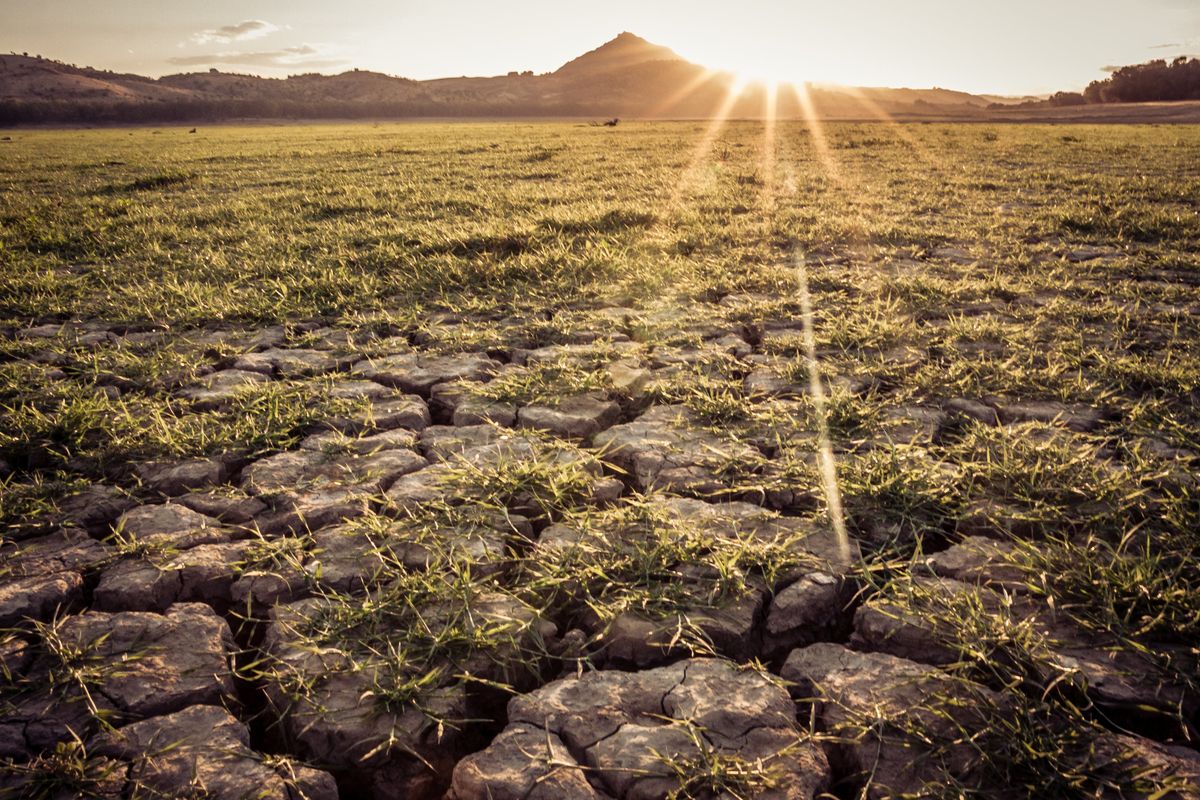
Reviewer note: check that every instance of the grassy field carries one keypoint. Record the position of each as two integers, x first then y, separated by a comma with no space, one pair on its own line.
1045,279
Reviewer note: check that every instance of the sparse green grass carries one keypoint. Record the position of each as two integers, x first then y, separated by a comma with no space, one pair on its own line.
68,770
417,633
546,383
548,479
713,773
489,237
1014,715
1142,590
637,558
30,505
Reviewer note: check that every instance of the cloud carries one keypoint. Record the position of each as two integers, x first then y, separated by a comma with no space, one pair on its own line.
304,55
242,31
1182,44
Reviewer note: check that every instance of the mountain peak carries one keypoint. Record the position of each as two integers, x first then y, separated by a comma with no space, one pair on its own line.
624,50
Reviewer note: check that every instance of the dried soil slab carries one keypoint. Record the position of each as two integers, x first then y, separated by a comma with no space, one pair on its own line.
102,779
38,598
813,608
229,505
524,762
158,663
360,553
309,489
220,388
955,255
718,354
243,340
138,665
444,442
417,373
293,362
730,624
1115,677
461,404
767,382
1154,763
576,417
671,318
579,355
66,550
329,710
973,410
299,470
96,507
170,525
629,378
619,728
917,425
176,478
1074,416
1086,253
298,513
385,414
982,561
16,655
203,751
360,390
336,442
886,710
867,698
636,641
454,479
665,448
201,574
804,536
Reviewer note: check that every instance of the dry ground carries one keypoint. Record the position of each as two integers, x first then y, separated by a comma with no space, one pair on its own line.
542,460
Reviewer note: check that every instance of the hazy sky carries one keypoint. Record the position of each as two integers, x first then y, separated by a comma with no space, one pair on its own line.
1002,46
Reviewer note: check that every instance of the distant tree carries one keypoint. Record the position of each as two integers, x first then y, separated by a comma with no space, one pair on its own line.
1063,99
1156,81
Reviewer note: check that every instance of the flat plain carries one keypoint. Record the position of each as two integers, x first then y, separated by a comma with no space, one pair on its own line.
547,460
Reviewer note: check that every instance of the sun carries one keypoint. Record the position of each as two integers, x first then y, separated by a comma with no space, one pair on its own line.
760,62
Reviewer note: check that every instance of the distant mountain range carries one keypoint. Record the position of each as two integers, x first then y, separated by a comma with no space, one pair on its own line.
627,77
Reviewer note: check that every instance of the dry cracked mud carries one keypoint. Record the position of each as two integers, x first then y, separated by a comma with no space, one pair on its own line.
598,568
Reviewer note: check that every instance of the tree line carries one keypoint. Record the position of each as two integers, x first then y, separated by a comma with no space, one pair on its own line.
83,112
1156,81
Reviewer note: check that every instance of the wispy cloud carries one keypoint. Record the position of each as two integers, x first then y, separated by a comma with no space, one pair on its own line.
304,55
241,32
1183,44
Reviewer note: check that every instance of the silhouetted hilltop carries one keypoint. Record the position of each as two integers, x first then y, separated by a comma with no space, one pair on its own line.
626,77
626,50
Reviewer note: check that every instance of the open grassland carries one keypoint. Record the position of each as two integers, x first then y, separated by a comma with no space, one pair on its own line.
425,416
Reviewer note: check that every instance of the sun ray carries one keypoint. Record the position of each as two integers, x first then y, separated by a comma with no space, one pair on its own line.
683,92
826,461
816,131
704,146
770,117
881,114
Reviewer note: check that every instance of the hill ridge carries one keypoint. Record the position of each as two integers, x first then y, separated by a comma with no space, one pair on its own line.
627,76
